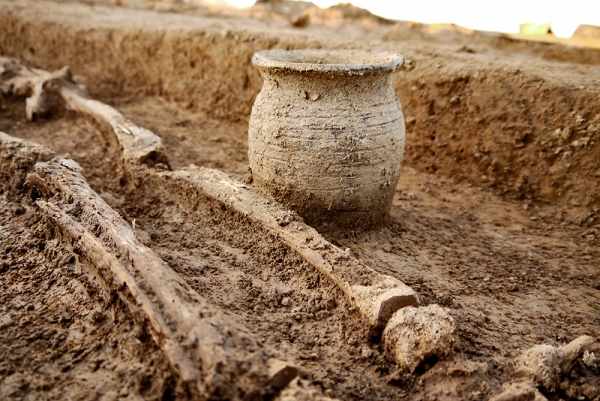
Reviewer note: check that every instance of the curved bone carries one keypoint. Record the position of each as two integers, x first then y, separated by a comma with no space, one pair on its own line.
139,145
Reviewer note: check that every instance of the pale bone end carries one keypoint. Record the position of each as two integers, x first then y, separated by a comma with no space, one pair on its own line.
570,352
380,301
415,335
38,104
541,365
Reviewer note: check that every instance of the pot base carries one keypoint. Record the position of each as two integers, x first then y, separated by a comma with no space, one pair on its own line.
321,215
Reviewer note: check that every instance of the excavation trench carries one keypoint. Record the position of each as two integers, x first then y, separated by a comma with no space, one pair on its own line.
81,215
299,313
512,270
506,121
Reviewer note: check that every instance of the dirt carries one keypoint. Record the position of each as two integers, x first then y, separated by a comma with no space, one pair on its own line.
258,282
62,335
489,219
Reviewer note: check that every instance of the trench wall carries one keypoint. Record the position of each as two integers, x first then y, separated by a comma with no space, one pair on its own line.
525,127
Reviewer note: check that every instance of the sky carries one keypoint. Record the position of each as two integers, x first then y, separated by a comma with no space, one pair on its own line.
489,15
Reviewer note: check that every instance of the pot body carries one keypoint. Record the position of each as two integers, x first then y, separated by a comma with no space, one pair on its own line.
328,143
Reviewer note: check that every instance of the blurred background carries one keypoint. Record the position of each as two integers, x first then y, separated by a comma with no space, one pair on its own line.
562,17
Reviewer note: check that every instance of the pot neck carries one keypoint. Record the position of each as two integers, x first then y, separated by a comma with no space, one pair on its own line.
328,78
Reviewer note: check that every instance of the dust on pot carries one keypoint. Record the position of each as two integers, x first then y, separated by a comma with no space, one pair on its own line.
326,134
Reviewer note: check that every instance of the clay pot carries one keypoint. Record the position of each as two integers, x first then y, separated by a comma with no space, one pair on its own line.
326,133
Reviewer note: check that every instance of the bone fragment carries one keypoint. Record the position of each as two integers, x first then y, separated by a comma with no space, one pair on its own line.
18,80
415,335
375,295
570,352
139,145
40,102
541,364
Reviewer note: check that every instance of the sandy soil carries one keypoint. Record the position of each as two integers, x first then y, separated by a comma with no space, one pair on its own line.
61,337
495,214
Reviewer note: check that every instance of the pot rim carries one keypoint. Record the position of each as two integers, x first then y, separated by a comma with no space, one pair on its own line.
280,60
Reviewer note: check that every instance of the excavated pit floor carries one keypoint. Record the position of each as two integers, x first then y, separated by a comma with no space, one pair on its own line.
509,281
512,271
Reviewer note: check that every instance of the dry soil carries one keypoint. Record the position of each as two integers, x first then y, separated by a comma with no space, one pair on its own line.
495,216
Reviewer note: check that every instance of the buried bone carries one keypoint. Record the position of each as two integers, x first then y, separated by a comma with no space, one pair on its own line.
45,89
375,295
415,335
544,364
33,83
205,346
